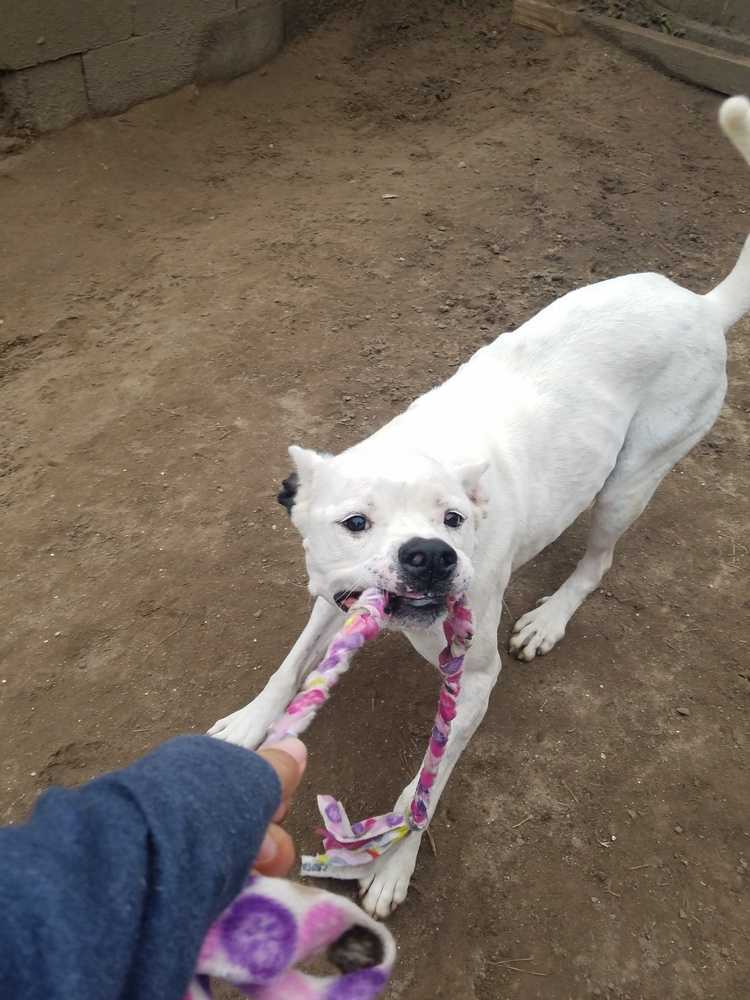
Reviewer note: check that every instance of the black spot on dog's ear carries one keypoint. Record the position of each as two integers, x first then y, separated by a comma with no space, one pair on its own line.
288,492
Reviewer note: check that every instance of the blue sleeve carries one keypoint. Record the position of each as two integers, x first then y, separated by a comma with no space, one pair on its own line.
107,891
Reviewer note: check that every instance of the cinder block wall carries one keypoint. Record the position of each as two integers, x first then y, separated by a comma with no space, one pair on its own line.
61,60
733,15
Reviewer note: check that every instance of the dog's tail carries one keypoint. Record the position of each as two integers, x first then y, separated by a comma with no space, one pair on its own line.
732,296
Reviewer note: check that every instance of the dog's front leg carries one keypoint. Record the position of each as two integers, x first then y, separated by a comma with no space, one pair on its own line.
248,726
386,884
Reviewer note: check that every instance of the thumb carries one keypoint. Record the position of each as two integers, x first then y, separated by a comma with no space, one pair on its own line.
288,758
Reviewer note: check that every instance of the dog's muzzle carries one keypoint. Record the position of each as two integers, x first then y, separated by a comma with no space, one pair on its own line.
426,564
426,570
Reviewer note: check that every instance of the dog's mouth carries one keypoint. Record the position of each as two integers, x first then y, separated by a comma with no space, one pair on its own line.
409,600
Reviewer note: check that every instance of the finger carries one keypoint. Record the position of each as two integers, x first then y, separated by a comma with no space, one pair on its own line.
288,758
276,854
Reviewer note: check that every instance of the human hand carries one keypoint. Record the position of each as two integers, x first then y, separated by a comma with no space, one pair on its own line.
288,758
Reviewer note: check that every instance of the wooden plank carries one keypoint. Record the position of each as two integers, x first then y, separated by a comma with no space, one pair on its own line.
547,17
732,15
708,67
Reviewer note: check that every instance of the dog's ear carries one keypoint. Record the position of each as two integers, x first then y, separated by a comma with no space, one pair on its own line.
470,476
288,492
305,461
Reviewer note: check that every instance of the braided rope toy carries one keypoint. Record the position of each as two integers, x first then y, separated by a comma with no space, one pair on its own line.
273,924
347,845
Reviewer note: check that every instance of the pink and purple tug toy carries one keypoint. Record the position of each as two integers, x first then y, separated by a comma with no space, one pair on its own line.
273,924
352,844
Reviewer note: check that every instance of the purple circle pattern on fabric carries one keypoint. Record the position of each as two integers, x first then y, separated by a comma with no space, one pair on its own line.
361,985
259,935
333,812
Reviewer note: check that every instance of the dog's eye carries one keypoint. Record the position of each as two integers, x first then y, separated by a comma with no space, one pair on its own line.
357,522
453,519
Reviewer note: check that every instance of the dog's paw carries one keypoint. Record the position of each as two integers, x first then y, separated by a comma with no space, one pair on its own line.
386,886
242,728
539,630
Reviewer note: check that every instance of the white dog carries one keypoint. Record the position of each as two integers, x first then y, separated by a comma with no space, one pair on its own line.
591,401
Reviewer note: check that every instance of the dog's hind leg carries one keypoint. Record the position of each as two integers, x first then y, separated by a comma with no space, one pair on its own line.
248,726
622,499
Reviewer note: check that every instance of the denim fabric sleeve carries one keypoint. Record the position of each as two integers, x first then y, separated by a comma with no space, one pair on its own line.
107,891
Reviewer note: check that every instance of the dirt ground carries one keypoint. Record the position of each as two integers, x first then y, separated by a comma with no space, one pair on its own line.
192,286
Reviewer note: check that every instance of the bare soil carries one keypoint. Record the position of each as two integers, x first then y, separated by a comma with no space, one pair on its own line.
192,286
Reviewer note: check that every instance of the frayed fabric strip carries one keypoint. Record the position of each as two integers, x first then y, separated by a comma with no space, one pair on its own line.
346,845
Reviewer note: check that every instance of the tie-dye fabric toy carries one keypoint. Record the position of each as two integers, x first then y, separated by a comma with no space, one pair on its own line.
273,926
345,844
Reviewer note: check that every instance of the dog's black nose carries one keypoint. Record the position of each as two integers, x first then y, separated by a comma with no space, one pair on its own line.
427,561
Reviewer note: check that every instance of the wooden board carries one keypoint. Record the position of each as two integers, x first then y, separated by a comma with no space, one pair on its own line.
547,17
708,67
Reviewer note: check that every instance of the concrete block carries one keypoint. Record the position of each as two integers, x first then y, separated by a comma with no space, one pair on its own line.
38,31
168,15
46,97
141,67
242,41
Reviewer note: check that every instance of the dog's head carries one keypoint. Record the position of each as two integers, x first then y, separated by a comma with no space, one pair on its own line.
403,523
